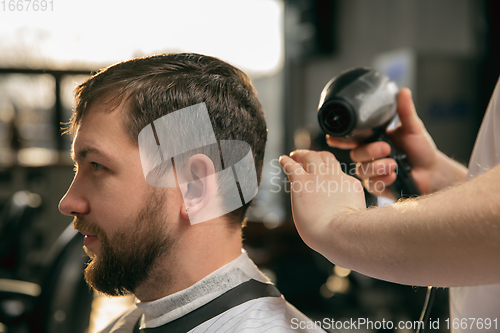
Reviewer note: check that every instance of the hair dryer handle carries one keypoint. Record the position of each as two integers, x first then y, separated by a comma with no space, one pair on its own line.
404,186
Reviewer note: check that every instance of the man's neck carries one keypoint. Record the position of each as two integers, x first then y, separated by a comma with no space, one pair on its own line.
197,253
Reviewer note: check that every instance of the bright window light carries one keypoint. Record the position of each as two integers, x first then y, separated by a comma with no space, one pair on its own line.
246,33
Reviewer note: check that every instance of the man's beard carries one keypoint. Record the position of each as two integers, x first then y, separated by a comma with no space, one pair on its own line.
126,260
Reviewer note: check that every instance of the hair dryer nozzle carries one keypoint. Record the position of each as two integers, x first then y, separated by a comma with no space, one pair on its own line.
337,118
357,105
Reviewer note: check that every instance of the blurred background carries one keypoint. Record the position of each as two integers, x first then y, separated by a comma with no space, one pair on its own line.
446,51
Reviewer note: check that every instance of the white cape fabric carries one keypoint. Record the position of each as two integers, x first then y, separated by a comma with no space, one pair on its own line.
480,302
266,314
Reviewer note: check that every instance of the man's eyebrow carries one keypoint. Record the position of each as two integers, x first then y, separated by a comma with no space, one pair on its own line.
82,153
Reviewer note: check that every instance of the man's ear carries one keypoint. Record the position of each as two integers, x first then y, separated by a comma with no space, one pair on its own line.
198,184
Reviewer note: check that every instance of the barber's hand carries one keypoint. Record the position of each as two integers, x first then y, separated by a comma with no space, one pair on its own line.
320,191
377,171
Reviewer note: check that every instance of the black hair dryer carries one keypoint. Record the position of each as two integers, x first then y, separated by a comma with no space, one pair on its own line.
359,105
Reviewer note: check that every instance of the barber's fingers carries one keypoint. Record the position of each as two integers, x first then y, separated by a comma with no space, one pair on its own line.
410,122
292,169
379,185
381,167
340,143
306,162
328,158
331,162
290,166
309,159
370,152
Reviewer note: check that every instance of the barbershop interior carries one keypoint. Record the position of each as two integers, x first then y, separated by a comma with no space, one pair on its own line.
445,51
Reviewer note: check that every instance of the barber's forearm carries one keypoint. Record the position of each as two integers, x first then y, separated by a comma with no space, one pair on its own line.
450,238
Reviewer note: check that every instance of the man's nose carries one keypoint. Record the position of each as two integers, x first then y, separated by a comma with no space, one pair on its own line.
74,202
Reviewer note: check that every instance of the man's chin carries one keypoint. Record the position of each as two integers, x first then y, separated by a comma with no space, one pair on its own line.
92,252
101,275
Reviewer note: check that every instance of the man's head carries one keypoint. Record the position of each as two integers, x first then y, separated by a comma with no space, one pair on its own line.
154,86
109,197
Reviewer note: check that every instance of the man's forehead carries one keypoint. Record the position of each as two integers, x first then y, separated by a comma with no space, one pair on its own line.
103,116
100,132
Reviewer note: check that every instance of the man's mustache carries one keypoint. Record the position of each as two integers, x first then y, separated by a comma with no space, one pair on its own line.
83,225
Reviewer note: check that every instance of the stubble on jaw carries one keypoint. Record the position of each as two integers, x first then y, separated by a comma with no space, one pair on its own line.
130,257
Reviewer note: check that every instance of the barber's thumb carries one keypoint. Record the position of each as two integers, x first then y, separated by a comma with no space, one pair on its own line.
407,113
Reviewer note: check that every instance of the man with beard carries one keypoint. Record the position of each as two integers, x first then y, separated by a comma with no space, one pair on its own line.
143,239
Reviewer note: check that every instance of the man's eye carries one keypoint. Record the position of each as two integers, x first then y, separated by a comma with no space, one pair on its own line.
97,166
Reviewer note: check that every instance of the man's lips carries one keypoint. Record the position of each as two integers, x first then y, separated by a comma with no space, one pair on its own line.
89,238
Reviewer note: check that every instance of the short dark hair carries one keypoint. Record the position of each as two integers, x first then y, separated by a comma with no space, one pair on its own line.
154,86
